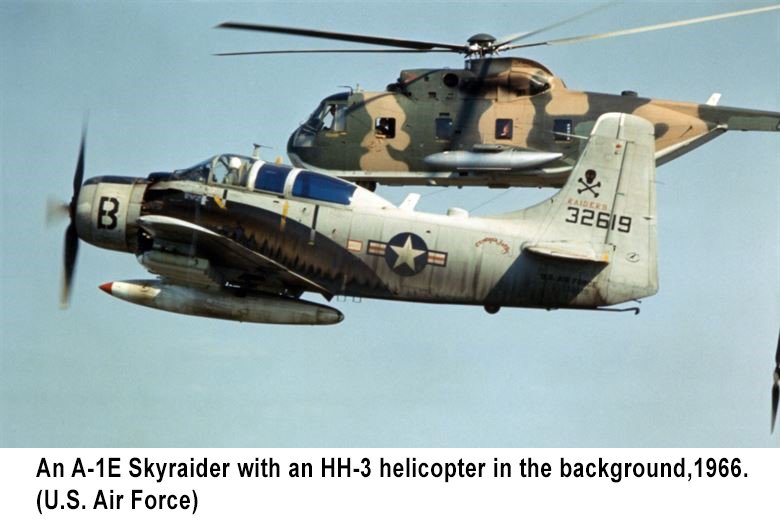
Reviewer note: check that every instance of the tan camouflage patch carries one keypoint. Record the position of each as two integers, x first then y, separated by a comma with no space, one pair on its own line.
378,157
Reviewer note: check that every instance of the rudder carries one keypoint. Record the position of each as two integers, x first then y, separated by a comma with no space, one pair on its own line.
606,211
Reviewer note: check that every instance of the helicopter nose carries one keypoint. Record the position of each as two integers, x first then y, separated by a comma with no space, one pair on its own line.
298,147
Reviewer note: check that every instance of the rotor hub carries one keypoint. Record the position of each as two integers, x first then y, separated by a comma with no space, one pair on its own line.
482,43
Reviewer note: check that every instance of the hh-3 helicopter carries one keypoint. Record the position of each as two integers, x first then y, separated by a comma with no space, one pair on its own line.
499,121
238,238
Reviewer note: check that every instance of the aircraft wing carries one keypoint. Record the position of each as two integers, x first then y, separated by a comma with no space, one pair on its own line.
222,254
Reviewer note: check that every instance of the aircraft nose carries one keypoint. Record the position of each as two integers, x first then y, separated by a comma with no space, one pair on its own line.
83,211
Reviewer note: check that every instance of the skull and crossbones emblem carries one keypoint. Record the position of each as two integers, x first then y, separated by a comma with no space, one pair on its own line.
588,183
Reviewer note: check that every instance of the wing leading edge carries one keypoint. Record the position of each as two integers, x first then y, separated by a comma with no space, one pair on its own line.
220,251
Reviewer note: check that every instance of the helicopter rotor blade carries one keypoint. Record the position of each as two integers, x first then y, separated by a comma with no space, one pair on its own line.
345,37
647,28
305,51
522,36
776,386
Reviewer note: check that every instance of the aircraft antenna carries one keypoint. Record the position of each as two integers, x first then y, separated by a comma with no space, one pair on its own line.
256,150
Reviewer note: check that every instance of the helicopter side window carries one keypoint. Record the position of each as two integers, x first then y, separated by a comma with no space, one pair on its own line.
271,178
443,128
319,187
503,129
385,127
562,130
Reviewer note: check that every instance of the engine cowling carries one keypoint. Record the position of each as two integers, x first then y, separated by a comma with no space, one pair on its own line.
107,212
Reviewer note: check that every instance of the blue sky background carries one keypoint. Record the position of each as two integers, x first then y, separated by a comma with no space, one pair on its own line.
693,369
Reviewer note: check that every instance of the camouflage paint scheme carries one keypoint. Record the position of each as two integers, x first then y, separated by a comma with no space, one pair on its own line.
474,98
592,244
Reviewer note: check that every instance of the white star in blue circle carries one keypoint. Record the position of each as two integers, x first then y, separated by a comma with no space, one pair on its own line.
406,254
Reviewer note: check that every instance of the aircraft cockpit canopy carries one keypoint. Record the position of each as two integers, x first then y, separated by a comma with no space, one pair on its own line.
253,174
317,186
230,169
314,186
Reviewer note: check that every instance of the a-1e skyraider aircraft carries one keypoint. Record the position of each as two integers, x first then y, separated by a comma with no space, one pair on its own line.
238,238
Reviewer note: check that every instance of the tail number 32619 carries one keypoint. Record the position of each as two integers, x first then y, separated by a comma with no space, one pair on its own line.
602,220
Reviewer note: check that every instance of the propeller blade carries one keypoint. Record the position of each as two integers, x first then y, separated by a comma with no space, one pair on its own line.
647,28
71,249
777,354
775,398
522,36
304,51
776,386
344,37
78,176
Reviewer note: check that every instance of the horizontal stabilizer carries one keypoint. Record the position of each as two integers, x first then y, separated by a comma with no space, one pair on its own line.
577,251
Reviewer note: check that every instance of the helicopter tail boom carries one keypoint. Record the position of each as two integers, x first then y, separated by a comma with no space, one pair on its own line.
729,118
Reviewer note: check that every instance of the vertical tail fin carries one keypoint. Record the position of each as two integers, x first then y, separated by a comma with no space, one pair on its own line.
605,213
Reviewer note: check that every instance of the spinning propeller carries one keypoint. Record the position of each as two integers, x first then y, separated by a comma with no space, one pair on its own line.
71,241
481,44
776,386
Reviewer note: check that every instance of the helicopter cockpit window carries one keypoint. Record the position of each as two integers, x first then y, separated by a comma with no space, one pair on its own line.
385,127
336,118
231,169
330,115
503,129
271,178
320,187
314,123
